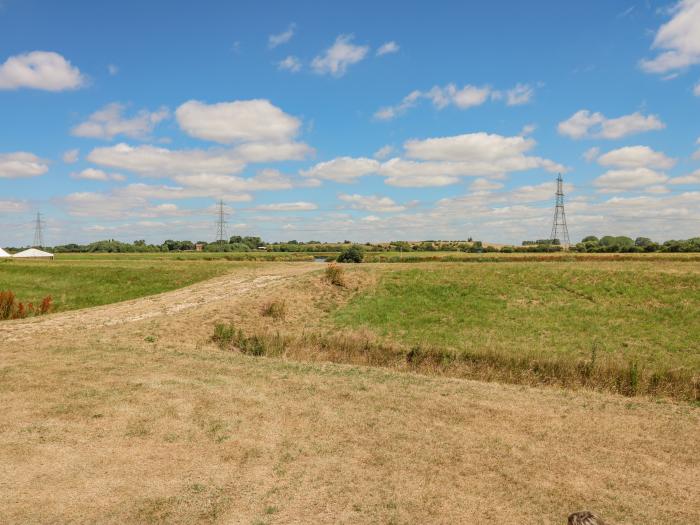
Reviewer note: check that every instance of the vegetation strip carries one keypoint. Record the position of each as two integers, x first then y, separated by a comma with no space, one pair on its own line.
629,331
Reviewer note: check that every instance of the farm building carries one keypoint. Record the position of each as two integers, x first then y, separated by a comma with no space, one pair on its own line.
3,253
33,253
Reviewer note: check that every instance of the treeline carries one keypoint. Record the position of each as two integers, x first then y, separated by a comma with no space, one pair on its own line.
113,246
622,244
237,243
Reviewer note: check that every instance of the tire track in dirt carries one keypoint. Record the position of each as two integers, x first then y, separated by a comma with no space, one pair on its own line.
174,302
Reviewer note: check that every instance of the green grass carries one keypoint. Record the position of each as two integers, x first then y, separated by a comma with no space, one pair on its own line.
91,281
446,257
638,314
259,256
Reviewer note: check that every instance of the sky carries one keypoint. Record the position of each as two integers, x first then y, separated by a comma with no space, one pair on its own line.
366,121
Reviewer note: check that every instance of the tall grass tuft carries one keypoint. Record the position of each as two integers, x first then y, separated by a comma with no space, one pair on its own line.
11,308
365,348
275,308
335,275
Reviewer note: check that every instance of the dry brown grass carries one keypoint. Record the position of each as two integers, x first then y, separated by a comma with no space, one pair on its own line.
101,426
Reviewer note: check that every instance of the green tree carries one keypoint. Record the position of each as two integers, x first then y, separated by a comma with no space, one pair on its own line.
352,254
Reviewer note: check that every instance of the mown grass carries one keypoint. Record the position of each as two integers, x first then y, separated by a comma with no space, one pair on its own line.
85,282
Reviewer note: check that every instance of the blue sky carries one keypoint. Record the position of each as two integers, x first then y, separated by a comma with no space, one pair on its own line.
364,121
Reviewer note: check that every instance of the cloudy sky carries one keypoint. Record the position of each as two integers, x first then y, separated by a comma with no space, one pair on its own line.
355,120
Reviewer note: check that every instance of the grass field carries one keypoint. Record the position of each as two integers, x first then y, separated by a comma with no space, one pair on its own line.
148,422
630,327
639,311
94,280
257,256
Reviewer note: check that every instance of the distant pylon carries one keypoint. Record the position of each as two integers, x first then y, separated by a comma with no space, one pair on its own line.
559,230
221,223
38,231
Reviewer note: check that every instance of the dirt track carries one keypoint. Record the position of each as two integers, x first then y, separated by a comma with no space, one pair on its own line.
205,295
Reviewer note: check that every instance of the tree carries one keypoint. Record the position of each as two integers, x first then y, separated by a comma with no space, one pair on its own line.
353,254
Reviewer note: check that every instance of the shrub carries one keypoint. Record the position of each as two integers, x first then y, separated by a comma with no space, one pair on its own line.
276,309
335,275
11,308
46,305
353,254
7,304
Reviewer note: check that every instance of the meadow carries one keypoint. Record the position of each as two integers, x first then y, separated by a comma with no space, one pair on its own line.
628,327
92,280
247,398
625,323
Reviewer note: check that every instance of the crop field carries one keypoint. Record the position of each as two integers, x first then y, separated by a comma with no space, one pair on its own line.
277,392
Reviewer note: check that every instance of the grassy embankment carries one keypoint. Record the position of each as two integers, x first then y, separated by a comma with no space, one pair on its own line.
93,280
631,328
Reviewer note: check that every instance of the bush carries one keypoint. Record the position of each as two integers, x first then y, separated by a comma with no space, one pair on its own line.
335,275
353,254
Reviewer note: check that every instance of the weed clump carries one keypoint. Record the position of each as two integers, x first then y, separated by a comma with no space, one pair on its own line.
335,275
228,337
11,308
276,309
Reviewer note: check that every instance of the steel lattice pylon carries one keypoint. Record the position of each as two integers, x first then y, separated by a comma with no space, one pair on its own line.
221,223
38,231
559,230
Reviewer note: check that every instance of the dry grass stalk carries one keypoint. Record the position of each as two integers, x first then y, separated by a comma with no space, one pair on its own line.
335,275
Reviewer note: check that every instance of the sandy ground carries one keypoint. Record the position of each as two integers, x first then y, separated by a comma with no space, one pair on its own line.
128,414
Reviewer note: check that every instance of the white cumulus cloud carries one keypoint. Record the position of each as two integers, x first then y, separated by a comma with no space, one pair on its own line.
388,48
255,120
43,70
109,122
464,97
678,39
519,95
291,63
71,156
342,169
373,203
20,164
629,179
691,178
383,152
482,184
281,38
636,157
287,206
336,59
584,124
152,161
95,174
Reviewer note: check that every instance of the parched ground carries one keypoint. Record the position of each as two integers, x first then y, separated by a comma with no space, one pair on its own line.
127,413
